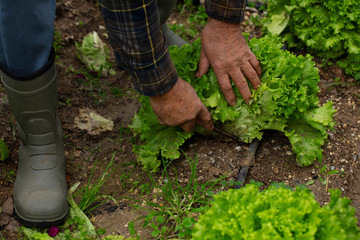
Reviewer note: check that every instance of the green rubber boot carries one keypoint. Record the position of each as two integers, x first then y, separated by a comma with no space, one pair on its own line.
165,7
40,190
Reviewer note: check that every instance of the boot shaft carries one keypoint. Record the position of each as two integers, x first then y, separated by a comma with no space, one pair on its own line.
34,104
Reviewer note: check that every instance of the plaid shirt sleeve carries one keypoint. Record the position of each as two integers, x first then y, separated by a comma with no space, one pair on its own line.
226,10
139,46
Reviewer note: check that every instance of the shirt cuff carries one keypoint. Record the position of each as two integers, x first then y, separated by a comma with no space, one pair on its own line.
155,81
231,11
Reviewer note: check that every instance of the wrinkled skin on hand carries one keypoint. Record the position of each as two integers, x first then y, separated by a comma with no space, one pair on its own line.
180,106
224,47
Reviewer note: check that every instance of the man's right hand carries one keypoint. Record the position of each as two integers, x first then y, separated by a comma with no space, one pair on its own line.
180,106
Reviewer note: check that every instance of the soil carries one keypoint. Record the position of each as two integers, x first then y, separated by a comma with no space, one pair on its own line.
217,156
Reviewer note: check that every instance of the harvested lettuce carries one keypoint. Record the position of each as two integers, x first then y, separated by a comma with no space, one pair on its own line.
94,54
286,101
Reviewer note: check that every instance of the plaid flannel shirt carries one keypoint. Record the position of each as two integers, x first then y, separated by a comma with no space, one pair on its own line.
139,46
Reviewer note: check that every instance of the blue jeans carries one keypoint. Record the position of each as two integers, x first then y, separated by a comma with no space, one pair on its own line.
26,34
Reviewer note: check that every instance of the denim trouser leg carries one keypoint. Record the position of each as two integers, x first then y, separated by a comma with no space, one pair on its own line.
26,34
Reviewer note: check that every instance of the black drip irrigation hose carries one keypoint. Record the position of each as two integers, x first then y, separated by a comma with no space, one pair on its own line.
249,160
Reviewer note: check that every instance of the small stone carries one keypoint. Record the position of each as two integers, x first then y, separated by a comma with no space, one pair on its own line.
212,160
7,206
4,219
288,153
12,226
238,148
210,153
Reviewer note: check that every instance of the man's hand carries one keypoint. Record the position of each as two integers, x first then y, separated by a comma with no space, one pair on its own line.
180,106
224,47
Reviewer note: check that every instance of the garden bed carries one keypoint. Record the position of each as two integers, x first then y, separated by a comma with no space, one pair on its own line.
113,98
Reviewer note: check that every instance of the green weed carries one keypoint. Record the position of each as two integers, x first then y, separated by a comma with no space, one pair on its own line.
117,92
180,205
4,150
91,82
324,175
195,22
90,194
57,42
9,176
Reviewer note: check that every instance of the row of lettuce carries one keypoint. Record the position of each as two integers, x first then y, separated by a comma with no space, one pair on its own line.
329,29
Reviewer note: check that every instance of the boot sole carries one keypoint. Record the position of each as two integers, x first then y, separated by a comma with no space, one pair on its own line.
40,224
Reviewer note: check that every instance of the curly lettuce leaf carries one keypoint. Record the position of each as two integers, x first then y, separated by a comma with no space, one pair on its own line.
327,28
276,213
159,140
308,133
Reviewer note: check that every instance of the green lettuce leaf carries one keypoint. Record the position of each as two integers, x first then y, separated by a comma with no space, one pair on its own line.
94,54
276,213
160,140
329,29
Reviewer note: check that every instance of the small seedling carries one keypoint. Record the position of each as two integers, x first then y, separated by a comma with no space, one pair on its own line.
145,188
80,23
117,92
324,175
341,173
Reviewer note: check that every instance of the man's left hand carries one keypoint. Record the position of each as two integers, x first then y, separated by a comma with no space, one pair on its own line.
224,47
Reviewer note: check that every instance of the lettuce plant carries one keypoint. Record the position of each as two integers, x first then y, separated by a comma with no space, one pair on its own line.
286,101
276,213
330,29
